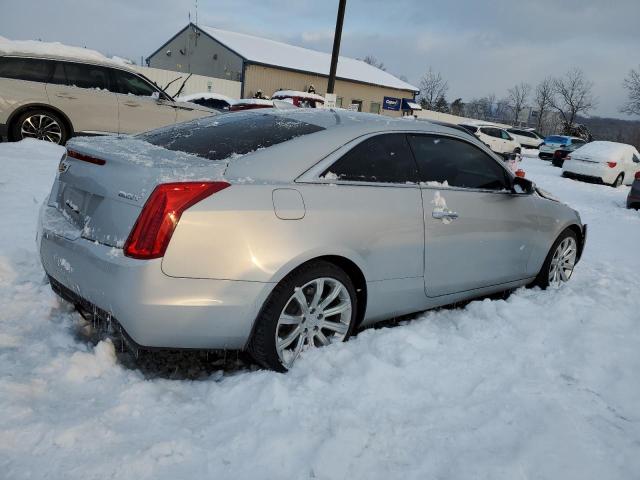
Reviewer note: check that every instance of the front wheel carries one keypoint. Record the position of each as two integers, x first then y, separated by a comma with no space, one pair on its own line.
560,262
312,307
40,124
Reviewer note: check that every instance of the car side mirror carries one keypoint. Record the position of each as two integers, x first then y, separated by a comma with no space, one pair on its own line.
522,186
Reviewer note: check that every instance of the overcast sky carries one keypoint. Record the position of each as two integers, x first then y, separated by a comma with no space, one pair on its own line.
480,47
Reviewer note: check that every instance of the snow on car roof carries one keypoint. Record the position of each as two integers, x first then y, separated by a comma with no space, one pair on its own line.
34,48
254,101
271,52
605,149
295,93
206,96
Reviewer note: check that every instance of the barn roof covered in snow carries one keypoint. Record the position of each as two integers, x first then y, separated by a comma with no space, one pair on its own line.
264,51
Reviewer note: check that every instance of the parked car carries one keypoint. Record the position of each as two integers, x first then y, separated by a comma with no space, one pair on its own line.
496,138
559,143
300,99
54,97
633,199
440,219
527,137
251,104
610,163
215,101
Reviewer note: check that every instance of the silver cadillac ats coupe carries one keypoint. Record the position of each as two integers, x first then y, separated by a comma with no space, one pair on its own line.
280,231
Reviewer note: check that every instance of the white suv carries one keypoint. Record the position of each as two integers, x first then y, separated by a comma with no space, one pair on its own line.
53,97
527,137
496,138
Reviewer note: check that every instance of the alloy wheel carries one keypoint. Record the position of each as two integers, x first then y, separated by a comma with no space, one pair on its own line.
41,127
563,261
317,314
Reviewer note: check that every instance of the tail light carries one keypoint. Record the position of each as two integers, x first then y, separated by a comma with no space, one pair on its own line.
520,173
160,215
637,175
85,158
612,164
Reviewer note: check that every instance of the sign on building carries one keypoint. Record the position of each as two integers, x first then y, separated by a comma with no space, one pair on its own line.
330,100
391,103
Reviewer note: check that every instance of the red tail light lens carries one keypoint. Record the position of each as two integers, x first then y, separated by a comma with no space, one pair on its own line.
520,173
85,158
160,215
612,164
637,176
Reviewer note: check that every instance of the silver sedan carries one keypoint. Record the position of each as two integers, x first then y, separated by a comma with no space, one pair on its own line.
281,231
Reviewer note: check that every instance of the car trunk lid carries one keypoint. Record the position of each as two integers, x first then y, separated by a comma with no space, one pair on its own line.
104,182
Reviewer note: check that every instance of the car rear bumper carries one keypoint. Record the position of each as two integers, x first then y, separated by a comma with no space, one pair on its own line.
633,199
155,310
589,171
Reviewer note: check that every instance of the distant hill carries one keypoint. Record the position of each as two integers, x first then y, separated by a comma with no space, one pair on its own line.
613,129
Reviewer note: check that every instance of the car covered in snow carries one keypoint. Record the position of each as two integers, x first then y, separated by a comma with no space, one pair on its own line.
557,147
52,92
300,99
610,163
278,231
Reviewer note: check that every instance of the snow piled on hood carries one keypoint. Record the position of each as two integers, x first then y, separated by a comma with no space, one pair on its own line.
541,385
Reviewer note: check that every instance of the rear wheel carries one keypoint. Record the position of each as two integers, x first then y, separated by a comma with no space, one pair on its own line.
618,181
40,124
560,262
312,307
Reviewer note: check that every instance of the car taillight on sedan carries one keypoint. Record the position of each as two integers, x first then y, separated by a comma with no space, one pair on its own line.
160,215
637,176
612,164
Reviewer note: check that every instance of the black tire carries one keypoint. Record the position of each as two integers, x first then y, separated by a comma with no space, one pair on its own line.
618,181
542,280
262,345
54,129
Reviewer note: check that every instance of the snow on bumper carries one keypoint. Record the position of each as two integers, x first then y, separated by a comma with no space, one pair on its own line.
154,309
593,170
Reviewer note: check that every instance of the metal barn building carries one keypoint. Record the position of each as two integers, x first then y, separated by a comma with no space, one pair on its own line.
266,65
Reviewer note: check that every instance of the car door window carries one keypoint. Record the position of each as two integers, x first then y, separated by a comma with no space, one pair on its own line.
29,69
81,75
383,158
130,84
636,159
504,135
456,162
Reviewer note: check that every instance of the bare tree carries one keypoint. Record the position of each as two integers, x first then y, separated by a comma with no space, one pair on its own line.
572,95
518,96
432,87
543,99
373,61
632,84
457,107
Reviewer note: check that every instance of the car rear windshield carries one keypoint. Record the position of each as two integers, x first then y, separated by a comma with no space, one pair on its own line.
555,139
223,136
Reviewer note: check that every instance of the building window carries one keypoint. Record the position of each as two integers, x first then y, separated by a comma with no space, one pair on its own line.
339,102
358,104
375,107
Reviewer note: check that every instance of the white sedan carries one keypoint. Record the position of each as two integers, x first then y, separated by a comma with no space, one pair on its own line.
611,163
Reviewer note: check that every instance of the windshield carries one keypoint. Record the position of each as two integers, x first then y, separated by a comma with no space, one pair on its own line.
555,139
224,136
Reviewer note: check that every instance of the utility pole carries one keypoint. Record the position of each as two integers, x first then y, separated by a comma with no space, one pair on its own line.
336,46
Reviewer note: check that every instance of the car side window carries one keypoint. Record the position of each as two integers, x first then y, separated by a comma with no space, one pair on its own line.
505,135
30,69
383,158
81,75
460,164
130,84
636,159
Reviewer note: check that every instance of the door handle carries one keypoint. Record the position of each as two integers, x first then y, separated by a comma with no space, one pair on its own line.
131,104
65,95
442,214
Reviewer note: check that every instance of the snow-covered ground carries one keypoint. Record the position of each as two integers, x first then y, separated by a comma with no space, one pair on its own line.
541,385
